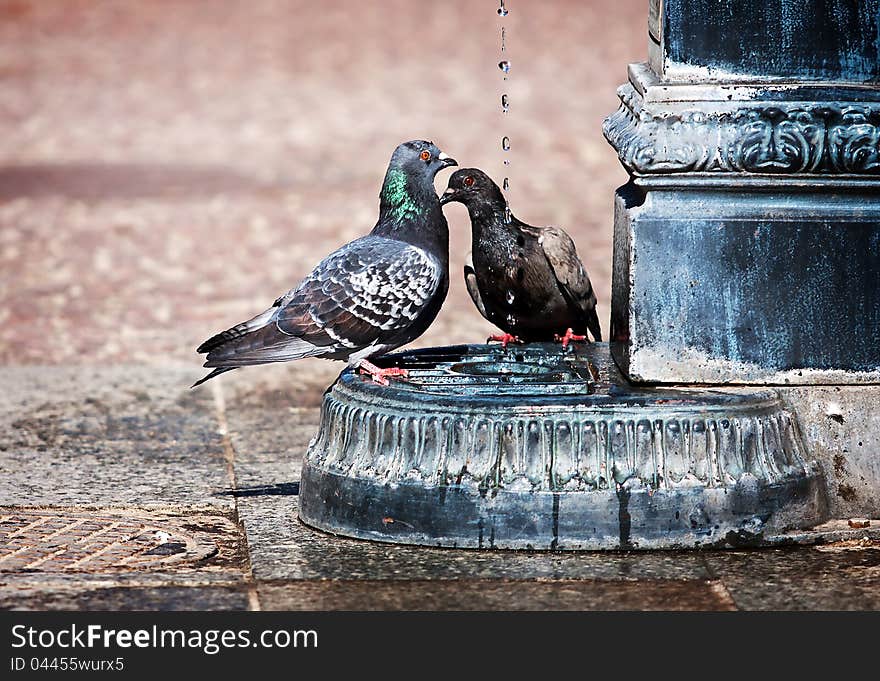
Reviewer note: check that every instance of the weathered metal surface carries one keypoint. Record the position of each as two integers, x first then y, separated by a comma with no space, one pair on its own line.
841,427
730,285
762,39
517,449
811,129
747,245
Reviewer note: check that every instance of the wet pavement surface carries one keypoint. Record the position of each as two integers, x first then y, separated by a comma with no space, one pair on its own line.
167,171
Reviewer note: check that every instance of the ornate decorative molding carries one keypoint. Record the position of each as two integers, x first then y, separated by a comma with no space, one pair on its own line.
483,447
589,452
764,137
560,443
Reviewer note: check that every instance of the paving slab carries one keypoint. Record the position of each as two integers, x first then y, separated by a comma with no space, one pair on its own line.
110,436
119,598
842,576
496,595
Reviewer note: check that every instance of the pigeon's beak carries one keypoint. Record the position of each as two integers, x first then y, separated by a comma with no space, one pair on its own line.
447,196
446,160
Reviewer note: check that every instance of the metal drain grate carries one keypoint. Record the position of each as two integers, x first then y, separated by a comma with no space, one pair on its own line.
46,541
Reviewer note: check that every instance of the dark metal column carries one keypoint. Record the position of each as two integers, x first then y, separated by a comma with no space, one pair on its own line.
747,243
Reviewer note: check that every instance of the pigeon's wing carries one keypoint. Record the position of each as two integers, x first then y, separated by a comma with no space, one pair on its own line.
367,292
470,281
571,276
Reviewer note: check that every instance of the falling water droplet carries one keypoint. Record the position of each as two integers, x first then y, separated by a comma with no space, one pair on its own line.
504,65
511,296
511,320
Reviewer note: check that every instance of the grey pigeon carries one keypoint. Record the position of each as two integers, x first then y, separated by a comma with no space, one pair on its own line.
528,281
368,297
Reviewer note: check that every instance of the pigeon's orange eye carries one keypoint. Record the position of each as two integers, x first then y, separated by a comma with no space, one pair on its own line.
468,181
425,155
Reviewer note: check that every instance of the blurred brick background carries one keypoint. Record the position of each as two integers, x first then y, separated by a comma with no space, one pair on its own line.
169,168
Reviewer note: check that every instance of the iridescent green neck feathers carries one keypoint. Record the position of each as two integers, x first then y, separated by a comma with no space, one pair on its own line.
396,197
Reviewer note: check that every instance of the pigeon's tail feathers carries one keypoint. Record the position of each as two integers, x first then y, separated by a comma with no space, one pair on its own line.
237,331
216,372
263,346
593,325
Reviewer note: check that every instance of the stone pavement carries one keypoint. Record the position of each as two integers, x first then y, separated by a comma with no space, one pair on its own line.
203,485
167,171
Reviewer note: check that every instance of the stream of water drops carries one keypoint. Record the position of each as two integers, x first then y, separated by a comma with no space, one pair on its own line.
504,65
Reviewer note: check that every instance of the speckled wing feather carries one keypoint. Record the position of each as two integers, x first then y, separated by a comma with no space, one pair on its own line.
367,293
561,253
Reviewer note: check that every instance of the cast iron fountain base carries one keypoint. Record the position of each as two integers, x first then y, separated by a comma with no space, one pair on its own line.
535,448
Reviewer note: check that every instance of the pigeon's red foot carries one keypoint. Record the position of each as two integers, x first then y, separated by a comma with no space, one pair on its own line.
504,339
568,338
380,375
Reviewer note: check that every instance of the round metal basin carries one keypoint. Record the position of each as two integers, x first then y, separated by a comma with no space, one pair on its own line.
536,448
